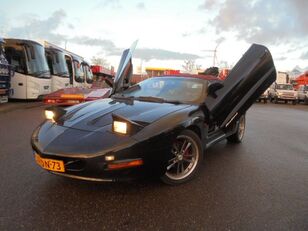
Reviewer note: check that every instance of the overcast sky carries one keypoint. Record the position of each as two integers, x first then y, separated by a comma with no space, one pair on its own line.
169,31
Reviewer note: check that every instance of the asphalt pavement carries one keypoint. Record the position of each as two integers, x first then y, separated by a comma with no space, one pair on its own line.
260,184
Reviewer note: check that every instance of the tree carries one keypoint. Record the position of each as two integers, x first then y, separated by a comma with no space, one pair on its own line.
99,61
190,66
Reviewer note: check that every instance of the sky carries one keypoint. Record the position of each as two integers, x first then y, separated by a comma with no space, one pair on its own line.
168,32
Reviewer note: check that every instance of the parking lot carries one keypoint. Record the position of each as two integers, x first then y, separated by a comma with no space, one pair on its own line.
260,184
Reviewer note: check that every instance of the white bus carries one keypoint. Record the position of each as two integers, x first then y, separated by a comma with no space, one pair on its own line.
60,66
67,69
32,76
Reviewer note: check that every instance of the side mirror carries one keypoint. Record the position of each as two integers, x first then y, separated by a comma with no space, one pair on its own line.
214,87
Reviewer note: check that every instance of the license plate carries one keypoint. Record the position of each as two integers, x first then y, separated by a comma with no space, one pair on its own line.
50,164
3,99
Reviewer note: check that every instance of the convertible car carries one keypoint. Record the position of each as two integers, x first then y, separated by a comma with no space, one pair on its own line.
159,127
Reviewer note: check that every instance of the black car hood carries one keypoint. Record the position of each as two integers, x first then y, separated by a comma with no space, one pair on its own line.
96,115
86,129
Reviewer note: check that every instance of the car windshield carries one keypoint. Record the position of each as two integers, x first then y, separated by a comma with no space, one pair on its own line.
284,87
172,89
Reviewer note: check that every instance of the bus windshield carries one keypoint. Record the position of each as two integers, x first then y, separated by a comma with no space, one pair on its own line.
37,64
27,58
79,73
58,64
284,87
89,76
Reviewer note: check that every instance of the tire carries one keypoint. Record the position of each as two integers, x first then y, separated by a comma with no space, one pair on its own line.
275,100
294,102
306,100
186,159
286,101
237,137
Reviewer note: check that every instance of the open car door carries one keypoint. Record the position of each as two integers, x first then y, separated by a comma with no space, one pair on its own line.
249,78
125,70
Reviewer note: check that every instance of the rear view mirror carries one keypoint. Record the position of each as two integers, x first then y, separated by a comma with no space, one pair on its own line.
214,87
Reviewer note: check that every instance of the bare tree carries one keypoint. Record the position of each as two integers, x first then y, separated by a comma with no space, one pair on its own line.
190,66
99,61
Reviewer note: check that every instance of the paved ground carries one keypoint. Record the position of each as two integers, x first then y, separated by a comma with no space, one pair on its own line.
261,184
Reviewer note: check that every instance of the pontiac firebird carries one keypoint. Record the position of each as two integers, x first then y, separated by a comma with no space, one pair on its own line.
159,127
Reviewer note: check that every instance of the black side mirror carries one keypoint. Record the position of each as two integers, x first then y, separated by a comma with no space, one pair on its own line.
214,87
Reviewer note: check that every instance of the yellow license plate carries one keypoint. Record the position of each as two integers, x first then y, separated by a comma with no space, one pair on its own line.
50,164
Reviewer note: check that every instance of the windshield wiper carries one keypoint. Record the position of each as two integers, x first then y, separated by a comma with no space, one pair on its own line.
122,97
39,73
173,101
66,74
150,99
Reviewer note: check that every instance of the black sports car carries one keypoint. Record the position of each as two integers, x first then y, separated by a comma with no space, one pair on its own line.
159,127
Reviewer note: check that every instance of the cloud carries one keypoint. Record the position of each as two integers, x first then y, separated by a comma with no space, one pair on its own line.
106,44
35,28
304,55
208,4
148,54
140,5
114,4
282,58
261,21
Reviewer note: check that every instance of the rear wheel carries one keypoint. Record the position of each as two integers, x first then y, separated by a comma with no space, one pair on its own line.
240,130
187,156
294,102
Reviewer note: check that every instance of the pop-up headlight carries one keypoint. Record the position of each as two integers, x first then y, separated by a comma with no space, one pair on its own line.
49,115
124,126
120,127
54,113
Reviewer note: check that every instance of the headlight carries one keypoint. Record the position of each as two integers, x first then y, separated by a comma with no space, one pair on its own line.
49,115
120,127
55,114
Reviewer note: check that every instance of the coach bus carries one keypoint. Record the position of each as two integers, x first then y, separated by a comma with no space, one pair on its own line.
32,77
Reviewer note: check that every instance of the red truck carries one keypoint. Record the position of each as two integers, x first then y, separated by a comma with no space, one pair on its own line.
100,88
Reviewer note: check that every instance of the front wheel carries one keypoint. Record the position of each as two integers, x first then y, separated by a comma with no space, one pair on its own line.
187,155
240,130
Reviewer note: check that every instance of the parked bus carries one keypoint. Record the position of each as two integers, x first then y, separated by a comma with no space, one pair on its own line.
60,66
32,76
5,75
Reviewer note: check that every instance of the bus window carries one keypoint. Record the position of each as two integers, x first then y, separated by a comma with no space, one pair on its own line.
79,73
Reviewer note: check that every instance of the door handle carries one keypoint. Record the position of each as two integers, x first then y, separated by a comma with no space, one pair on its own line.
20,84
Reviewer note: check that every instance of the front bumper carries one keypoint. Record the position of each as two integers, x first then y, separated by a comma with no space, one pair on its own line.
283,97
153,156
